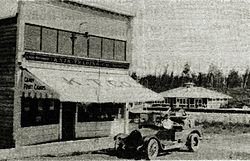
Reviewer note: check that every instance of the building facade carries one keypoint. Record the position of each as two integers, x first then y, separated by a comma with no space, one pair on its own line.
64,71
190,96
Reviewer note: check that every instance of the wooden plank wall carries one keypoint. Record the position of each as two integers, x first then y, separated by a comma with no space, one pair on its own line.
7,80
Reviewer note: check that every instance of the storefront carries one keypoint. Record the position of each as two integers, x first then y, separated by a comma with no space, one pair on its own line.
70,73
75,104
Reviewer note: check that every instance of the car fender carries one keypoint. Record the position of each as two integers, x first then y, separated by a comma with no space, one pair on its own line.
149,137
120,136
197,131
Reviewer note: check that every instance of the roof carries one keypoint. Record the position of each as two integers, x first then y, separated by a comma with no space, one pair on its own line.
113,6
9,8
194,92
78,86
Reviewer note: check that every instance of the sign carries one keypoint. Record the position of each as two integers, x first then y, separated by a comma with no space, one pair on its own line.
29,83
77,61
34,88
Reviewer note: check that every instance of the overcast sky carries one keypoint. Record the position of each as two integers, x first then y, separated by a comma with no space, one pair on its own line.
169,33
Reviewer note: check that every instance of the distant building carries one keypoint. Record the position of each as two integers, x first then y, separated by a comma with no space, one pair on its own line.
190,96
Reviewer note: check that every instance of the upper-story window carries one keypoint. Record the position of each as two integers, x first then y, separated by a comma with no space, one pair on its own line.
49,40
39,38
64,43
32,37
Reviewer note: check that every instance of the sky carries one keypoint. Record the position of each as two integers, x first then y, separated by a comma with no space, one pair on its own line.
170,33
167,34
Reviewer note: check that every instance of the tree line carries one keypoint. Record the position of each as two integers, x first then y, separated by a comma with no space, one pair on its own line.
213,79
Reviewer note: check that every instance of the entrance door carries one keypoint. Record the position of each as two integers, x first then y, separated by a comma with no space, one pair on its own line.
68,120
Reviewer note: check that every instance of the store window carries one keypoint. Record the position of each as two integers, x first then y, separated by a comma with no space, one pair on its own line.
37,112
65,43
120,48
32,37
49,40
81,45
99,112
108,49
39,38
95,47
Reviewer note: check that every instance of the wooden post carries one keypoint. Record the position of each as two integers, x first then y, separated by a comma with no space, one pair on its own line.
60,122
76,119
126,118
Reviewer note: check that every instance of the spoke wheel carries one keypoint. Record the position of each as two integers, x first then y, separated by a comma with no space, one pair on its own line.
193,142
152,149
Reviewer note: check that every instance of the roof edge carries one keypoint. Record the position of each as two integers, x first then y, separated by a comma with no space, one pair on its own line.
100,7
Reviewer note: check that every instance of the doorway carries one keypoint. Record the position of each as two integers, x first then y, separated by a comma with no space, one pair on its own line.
68,120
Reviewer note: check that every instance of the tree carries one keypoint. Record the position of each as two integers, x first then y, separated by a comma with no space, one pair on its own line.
186,74
233,79
215,77
245,78
201,80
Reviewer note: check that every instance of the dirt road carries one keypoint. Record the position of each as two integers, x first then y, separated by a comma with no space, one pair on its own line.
219,147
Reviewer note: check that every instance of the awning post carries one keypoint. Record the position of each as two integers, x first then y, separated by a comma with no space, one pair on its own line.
60,122
126,118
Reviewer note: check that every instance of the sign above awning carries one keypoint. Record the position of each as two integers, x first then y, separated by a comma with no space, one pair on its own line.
78,86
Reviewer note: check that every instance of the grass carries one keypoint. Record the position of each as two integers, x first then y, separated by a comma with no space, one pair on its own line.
223,128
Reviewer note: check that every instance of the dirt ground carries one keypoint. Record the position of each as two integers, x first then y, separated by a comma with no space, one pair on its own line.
212,147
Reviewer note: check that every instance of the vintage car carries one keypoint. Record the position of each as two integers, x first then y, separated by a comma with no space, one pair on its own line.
151,138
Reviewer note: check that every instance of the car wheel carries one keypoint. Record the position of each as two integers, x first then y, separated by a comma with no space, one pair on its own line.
152,149
193,142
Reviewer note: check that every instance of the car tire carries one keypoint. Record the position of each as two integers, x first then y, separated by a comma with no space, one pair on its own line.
118,149
193,142
152,149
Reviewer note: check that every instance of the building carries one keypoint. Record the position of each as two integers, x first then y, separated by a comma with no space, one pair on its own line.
190,96
64,72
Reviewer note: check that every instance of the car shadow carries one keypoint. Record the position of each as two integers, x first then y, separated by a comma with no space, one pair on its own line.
135,156
168,152
109,151
113,152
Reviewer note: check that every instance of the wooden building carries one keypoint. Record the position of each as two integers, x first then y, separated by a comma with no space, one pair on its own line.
65,73
190,96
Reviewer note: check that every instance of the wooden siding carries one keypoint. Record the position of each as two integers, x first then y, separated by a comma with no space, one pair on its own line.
93,129
38,134
7,80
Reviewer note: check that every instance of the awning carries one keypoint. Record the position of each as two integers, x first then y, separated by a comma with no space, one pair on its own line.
79,86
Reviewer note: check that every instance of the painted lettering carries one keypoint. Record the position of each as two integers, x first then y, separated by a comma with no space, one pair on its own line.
71,81
78,61
37,87
27,86
30,80
96,81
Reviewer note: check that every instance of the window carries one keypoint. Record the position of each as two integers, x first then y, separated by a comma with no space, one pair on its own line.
95,47
107,49
49,40
39,38
37,112
65,43
81,45
32,37
98,112
120,50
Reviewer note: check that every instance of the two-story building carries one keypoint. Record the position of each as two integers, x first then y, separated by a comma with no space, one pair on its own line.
64,70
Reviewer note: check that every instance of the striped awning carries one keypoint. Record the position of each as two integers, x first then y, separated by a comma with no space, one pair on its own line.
79,86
